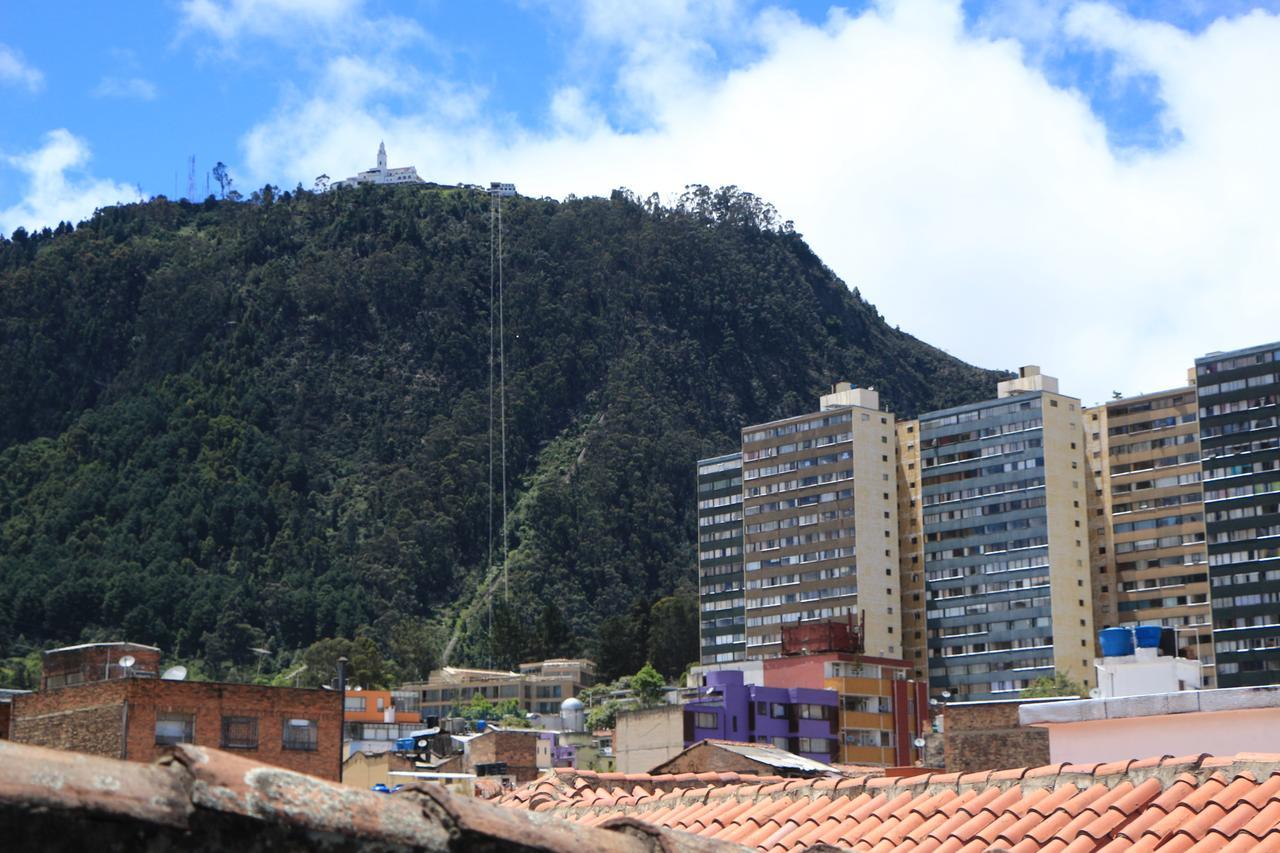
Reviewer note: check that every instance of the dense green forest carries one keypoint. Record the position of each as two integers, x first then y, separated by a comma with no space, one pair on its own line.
227,426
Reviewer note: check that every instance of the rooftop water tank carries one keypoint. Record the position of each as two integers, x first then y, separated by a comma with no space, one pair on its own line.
1147,636
1115,642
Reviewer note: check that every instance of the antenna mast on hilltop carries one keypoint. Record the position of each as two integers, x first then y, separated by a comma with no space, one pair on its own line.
191,178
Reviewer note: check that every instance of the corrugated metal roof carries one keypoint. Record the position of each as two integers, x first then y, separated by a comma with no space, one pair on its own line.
773,756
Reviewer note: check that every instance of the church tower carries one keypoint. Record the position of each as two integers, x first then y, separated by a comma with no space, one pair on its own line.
382,156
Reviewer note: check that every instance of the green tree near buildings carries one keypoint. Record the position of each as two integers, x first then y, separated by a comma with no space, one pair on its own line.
365,664
1058,684
647,686
673,634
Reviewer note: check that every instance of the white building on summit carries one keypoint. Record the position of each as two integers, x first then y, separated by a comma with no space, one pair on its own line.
382,175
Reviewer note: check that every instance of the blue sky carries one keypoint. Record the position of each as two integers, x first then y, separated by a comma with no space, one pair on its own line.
942,156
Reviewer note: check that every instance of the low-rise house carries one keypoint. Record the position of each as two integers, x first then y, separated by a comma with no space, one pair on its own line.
761,759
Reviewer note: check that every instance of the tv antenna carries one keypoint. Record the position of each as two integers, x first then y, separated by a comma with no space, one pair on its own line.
191,178
174,673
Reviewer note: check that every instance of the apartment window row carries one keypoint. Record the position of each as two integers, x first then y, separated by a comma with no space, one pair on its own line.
800,539
1187,479
979,414
1192,559
989,607
1164,521
720,569
1250,600
720,518
985,509
998,567
984,667
1157,503
1026,643
717,467
983,491
722,586
723,500
719,485
1161,542
785,618
805,520
1250,425
803,595
1242,491
1240,578
723,622
1153,464
1223,450
1237,512
1245,405
979,434
1163,583
984,471
1152,444
236,731
796,503
800,559
1209,368
1242,623
832,573
988,548
1265,532
984,529
800,483
868,737
1242,469
1250,644
1152,425
720,535
1160,603
1151,405
944,593
982,452
1248,555
722,604
1238,384
867,704
796,426
796,465
793,447
717,553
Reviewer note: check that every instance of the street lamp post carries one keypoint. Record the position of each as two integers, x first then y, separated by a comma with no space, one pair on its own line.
342,713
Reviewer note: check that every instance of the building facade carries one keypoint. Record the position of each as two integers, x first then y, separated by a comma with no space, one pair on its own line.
801,720
1003,491
722,619
138,719
380,174
539,687
1147,527
1240,460
810,482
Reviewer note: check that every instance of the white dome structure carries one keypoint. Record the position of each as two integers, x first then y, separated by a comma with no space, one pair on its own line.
573,716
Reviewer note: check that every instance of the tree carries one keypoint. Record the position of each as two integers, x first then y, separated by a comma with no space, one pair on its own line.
602,716
479,708
647,686
673,634
619,646
223,177
552,635
414,647
365,666
1058,684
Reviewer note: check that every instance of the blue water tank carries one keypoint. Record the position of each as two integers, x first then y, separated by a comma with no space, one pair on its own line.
1115,642
1147,636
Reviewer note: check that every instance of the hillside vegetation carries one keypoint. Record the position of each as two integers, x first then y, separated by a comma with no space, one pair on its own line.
226,426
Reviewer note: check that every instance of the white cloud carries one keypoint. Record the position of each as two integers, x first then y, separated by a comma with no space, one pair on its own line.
14,71
326,23
57,189
933,167
135,88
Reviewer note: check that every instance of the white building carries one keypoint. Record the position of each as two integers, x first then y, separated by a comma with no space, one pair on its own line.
380,174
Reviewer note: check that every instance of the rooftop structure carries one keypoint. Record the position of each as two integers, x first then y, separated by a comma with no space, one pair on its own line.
539,686
89,662
1196,803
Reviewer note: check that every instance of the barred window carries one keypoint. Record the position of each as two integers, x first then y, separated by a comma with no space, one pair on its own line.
300,734
239,732
174,728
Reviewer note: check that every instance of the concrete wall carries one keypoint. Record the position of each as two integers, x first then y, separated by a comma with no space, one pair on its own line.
92,718
645,739
1215,733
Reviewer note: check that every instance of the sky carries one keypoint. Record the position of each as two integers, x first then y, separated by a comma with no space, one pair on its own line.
1093,187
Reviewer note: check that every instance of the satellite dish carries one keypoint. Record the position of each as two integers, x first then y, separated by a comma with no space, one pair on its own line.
1095,693
174,673
919,742
946,694
126,661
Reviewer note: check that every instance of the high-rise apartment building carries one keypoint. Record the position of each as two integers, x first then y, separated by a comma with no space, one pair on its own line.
820,522
722,637
1147,525
1003,491
1240,461
911,573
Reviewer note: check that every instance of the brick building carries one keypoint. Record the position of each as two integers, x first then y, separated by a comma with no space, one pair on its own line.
138,718
90,662
517,750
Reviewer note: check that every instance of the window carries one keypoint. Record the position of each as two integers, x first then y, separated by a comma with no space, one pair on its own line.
239,732
778,711
807,711
300,734
815,745
353,703
705,720
175,728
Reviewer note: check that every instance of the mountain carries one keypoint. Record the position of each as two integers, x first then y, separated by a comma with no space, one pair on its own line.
227,424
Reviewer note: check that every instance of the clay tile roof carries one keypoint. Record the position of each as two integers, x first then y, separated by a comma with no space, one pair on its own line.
199,799
1162,804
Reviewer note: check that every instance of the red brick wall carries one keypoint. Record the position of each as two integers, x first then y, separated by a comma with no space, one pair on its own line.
986,736
90,718
519,750
97,662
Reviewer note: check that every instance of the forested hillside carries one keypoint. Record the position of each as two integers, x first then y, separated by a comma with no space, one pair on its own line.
226,425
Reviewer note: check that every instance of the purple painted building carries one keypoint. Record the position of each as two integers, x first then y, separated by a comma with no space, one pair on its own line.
802,720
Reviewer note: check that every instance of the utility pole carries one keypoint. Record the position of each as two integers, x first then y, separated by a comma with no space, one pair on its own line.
342,714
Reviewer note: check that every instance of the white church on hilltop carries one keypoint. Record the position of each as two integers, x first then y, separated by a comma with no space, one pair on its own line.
380,174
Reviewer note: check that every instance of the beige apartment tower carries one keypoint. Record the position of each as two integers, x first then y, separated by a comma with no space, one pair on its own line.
1147,523
820,522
